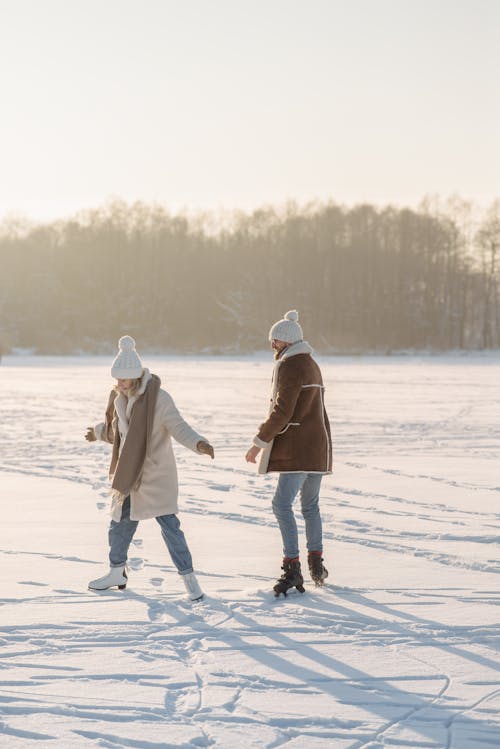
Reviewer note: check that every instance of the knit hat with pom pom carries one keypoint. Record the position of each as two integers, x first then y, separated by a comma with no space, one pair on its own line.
127,365
288,329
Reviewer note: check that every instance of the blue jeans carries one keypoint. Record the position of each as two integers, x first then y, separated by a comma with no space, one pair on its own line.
122,532
289,484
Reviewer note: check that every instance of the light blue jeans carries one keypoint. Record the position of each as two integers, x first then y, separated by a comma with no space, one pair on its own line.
289,485
121,533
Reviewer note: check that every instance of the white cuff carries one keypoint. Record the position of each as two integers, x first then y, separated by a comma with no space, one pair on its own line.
98,430
260,443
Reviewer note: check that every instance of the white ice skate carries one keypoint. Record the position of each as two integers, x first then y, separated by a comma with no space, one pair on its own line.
194,591
116,576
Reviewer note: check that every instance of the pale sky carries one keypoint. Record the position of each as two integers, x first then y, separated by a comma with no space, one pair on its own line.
221,104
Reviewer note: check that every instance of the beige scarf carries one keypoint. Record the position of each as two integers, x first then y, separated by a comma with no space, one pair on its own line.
126,465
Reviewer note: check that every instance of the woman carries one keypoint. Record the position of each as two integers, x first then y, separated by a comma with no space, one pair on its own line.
141,419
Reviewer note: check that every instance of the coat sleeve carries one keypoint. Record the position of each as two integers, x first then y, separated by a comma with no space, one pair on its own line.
288,391
174,424
100,431
104,430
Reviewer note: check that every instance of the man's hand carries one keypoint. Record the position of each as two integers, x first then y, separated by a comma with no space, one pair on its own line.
90,436
205,448
251,455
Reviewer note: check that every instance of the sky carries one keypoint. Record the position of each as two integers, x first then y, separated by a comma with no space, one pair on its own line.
234,104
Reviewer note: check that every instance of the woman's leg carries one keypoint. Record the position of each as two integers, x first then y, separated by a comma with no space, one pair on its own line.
309,498
176,543
120,536
286,491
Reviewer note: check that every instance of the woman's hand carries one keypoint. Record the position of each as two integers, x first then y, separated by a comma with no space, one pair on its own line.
205,448
90,436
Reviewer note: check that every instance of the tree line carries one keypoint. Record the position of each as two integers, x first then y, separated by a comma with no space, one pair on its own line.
363,278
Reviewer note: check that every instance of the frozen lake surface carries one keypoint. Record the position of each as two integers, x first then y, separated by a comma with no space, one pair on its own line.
400,649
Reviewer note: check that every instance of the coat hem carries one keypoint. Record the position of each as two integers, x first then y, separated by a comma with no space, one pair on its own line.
304,470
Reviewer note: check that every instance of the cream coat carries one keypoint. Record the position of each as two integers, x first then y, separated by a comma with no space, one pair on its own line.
157,493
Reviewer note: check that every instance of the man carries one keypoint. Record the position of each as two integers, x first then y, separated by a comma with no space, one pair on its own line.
295,442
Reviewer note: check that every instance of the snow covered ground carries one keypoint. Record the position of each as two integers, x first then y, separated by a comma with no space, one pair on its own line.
399,650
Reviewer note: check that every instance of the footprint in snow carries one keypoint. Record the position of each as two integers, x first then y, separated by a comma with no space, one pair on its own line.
136,563
155,611
157,581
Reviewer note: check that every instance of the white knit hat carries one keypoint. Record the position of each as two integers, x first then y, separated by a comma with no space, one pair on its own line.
127,365
288,329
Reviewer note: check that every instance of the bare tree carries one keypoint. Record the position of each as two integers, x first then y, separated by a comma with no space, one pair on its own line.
488,243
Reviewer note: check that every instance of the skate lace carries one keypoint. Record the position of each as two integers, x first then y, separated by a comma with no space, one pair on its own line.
290,575
286,574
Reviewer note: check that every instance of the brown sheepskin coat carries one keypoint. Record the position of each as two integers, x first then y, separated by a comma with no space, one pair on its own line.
296,436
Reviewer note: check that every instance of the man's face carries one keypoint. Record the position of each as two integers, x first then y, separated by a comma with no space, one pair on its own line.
124,385
278,345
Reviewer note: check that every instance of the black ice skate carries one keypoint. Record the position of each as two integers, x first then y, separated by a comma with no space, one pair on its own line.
317,570
291,578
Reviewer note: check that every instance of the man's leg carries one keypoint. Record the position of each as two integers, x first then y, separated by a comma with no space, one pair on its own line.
309,499
286,491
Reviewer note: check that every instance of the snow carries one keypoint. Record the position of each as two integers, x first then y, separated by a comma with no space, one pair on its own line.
400,649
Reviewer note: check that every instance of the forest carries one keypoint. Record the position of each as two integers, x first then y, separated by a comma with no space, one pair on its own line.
363,278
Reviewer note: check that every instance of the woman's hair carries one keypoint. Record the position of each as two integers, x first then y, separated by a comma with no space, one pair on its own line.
136,384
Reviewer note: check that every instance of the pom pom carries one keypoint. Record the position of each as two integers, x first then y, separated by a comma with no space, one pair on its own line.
292,315
126,343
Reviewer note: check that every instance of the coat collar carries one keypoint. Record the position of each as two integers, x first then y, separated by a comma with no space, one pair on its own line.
144,382
301,347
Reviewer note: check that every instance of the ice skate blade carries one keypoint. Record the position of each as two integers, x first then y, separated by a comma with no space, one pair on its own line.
278,593
278,590
100,590
319,581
